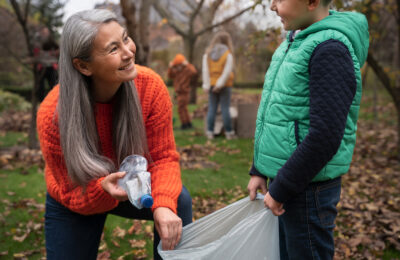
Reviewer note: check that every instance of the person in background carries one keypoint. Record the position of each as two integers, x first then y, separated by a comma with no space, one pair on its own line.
104,109
183,75
218,65
307,121
46,55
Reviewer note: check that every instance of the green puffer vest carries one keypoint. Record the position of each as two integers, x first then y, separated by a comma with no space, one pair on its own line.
284,107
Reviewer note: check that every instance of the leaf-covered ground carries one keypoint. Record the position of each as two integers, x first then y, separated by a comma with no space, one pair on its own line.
368,224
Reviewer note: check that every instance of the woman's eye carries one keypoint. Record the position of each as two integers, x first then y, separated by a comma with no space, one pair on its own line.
113,49
126,38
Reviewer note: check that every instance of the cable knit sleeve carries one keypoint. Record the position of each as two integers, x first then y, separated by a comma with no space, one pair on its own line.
91,201
165,171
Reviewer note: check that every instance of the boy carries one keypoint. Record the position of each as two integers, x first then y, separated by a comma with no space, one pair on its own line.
306,123
183,74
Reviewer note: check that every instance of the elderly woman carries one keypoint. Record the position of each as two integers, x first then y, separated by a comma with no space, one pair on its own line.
104,109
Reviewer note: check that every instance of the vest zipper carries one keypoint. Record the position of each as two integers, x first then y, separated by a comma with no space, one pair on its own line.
296,132
257,143
287,49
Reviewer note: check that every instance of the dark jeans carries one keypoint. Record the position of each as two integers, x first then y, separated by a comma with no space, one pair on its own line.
70,235
306,227
224,98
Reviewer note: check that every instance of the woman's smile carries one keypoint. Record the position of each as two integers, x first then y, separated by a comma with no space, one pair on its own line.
129,66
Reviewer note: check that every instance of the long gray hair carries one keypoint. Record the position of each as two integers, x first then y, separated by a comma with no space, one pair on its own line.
78,132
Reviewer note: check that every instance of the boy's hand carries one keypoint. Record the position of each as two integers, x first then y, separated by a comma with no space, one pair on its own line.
273,205
255,183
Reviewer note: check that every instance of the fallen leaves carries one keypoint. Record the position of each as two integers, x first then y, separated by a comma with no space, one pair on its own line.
20,157
15,121
119,232
135,236
369,210
137,243
196,156
203,206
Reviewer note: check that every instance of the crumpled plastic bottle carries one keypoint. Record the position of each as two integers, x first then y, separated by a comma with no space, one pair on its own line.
137,181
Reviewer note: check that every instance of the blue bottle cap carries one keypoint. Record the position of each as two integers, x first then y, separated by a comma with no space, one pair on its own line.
146,201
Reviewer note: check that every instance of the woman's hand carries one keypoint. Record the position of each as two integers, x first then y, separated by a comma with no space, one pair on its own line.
110,185
169,227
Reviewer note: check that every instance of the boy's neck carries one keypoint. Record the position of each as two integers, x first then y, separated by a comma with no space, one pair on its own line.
320,13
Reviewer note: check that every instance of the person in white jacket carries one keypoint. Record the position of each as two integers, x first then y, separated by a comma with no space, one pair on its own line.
218,64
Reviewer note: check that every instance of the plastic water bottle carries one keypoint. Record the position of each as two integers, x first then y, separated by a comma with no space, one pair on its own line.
137,181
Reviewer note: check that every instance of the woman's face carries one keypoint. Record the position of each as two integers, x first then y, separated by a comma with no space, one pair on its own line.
112,61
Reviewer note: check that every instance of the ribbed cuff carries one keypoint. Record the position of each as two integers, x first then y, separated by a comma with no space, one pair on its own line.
254,171
165,201
278,191
107,200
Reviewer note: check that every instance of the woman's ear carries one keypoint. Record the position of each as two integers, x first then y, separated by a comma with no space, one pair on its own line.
82,66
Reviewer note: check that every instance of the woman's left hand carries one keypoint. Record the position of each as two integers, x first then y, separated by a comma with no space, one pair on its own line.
110,185
169,227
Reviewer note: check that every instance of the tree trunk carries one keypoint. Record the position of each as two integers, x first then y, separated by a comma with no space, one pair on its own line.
397,105
144,33
129,13
33,143
189,45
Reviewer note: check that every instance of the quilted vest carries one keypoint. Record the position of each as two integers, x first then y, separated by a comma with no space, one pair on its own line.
216,68
283,113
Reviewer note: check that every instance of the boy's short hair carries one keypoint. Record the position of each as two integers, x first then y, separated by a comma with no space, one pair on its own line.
326,2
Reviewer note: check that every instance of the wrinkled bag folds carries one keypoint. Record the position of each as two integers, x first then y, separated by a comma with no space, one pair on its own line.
242,230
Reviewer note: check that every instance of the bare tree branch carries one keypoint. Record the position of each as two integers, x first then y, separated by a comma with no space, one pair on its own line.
380,73
209,28
190,4
214,7
27,7
196,12
144,17
398,12
167,15
17,11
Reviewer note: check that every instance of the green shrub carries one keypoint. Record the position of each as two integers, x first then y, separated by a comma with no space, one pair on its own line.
11,101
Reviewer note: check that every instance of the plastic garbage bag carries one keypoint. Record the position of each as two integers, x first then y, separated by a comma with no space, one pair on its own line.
242,230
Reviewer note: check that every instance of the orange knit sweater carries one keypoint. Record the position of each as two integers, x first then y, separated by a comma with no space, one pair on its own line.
157,115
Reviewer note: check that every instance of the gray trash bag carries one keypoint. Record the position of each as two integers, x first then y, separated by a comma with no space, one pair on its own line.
242,230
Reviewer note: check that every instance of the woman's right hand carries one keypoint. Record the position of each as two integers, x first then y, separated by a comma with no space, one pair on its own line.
110,185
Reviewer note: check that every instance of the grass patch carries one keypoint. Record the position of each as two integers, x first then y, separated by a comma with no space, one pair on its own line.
8,139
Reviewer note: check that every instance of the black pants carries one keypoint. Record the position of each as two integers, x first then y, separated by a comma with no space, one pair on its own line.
49,74
70,235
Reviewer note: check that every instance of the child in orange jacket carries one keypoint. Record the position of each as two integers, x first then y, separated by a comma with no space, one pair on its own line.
183,74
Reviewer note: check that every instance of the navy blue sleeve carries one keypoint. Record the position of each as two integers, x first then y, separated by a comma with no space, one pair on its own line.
332,89
254,171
